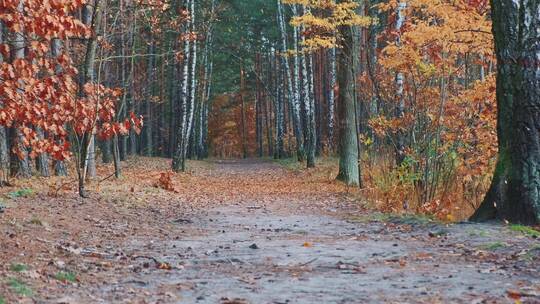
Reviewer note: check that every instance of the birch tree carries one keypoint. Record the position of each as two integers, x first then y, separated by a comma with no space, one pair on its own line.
400,78
292,92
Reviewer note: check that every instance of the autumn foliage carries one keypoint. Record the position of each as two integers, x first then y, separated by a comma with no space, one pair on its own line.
40,93
446,57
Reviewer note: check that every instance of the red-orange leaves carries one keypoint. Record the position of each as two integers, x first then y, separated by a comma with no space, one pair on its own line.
39,93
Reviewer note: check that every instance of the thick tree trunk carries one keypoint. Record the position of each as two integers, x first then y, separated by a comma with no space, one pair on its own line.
514,194
348,152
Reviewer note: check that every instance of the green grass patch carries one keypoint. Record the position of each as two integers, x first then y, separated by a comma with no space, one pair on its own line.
19,287
24,192
66,277
18,267
528,231
494,246
2,301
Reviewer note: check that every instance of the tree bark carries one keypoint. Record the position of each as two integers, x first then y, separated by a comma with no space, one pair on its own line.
348,152
292,92
400,78
331,97
23,167
4,150
514,194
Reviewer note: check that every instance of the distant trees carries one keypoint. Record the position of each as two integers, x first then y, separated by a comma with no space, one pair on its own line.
404,89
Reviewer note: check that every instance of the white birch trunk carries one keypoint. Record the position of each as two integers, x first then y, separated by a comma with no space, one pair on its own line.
178,160
292,97
331,98
400,78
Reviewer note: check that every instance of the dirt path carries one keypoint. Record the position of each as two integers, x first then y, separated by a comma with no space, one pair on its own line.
268,245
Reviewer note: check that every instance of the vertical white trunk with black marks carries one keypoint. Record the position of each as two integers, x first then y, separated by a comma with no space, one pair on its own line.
312,149
193,88
178,164
296,77
400,78
308,101
278,105
292,94
331,96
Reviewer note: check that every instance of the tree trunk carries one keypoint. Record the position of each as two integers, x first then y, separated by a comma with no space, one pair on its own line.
86,166
400,78
148,144
331,97
23,168
4,150
348,152
292,92
188,96
514,194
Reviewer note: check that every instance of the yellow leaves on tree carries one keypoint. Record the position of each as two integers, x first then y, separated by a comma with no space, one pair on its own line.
322,20
445,53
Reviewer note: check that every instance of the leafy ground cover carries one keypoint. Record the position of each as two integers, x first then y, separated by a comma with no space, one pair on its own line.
249,231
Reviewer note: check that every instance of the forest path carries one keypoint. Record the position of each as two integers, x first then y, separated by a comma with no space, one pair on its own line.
251,231
280,247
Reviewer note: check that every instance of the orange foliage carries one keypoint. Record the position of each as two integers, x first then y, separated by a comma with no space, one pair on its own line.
40,92
446,56
225,127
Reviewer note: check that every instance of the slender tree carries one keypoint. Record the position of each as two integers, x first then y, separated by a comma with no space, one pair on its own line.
292,92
